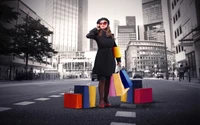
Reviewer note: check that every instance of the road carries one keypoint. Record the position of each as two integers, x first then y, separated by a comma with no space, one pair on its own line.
41,103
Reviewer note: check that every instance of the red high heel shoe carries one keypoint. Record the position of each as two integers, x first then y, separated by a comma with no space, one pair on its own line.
107,104
101,105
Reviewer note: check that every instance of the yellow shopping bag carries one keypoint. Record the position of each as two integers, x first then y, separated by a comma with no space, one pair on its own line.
124,97
92,96
116,51
120,90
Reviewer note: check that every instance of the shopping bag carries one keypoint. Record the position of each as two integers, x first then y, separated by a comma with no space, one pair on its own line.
125,78
116,52
92,96
112,87
136,83
119,88
84,90
143,95
130,95
124,97
72,100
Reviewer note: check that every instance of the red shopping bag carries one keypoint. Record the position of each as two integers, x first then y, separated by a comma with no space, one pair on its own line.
72,100
143,95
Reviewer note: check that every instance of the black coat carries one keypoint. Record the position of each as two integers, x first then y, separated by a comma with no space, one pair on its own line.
104,62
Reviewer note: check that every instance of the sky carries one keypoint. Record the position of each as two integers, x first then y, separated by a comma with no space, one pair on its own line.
111,9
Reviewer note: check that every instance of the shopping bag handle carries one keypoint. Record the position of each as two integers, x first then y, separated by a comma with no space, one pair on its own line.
118,69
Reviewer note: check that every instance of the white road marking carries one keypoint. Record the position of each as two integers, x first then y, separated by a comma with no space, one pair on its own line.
128,105
4,109
62,93
24,103
120,123
55,96
42,99
126,114
53,91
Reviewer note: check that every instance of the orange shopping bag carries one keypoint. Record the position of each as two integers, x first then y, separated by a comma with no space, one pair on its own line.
116,51
119,88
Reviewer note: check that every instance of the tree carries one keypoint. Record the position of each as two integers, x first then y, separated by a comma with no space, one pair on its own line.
7,15
31,40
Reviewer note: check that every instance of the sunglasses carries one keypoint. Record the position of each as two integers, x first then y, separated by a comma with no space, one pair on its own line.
102,23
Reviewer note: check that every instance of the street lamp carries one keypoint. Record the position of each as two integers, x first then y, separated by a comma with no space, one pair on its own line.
166,62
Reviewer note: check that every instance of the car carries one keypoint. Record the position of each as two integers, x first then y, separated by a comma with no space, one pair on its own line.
137,76
93,76
159,75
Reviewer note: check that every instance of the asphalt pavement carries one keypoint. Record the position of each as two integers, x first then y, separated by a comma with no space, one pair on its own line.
42,103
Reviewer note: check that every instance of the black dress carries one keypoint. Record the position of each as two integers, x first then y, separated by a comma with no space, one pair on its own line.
104,62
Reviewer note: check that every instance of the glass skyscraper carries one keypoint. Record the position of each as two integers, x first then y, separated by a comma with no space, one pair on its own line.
66,17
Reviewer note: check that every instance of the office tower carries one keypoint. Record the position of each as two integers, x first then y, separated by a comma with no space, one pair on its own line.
115,27
130,20
68,18
156,16
125,35
82,25
93,45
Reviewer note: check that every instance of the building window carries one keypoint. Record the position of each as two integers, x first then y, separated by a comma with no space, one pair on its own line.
182,48
175,34
179,48
174,2
174,20
179,14
180,29
172,5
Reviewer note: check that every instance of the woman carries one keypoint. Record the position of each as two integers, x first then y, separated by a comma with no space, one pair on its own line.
105,64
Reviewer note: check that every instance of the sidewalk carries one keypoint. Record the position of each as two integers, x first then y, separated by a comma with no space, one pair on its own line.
193,80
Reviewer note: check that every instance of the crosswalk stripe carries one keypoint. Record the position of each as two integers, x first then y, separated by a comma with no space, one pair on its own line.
42,99
128,105
24,103
4,109
120,123
55,96
126,114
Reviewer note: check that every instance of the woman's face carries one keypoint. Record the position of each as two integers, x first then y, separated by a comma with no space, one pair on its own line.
103,24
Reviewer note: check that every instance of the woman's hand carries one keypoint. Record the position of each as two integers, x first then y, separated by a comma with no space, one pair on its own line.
119,64
98,27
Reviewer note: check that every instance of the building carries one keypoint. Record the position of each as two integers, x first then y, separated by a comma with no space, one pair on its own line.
11,66
147,57
156,15
115,28
186,33
82,25
125,35
130,21
69,20
93,45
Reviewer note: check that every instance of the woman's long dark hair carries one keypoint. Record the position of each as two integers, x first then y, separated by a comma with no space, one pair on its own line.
108,32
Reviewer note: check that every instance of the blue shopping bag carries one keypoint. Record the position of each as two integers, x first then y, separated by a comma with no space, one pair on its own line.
84,90
125,79
130,95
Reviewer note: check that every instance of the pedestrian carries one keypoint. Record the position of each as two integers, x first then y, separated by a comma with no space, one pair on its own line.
181,72
105,63
187,71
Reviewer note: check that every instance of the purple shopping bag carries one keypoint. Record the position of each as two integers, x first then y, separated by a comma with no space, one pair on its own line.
112,87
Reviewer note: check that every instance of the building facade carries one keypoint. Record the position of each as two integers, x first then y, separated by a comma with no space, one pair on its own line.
11,66
125,35
82,25
147,57
186,33
63,16
156,15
